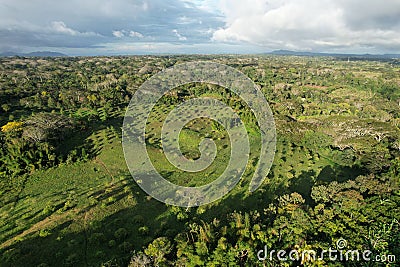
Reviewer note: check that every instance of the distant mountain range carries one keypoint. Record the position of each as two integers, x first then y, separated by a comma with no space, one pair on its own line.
276,52
315,54
33,54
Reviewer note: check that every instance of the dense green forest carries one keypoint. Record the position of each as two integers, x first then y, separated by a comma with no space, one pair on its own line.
68,199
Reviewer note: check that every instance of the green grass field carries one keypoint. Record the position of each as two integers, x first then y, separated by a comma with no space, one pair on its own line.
84,204
335,174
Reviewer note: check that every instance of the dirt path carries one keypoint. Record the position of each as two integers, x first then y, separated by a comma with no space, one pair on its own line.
99,161
53,219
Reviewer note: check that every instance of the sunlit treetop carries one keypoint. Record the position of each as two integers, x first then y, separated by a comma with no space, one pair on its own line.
12,126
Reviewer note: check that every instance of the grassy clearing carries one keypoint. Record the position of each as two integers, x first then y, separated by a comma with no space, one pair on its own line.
84,204
92,211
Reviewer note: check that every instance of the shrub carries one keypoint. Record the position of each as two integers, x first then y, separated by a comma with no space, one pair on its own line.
121,234
139,260
158,249
12,126
112,243
144,230
125,247
138,219
72,260
44,233
96,238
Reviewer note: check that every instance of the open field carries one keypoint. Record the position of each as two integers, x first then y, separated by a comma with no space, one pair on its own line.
68,199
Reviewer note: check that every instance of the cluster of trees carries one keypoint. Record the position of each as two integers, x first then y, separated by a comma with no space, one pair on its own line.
45,101
30,145
338,210
336,172
327,111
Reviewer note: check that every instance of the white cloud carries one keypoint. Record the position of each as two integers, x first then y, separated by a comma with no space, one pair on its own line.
366,26
187,20
180,37
60,27
124,33
118,34
206,5
310,24
166,47
27,25
135,34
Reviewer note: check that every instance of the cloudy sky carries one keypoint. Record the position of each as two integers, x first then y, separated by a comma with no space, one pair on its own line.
103,27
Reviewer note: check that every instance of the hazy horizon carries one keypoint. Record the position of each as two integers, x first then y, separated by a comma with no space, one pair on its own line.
124,27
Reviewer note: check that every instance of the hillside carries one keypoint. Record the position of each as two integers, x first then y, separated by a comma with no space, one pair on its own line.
67,197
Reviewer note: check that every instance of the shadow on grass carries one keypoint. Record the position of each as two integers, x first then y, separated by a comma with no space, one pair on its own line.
304,183
80,138
87,240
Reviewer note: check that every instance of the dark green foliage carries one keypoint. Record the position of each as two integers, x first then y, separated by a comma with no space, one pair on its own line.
67,198
20,156
121,234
